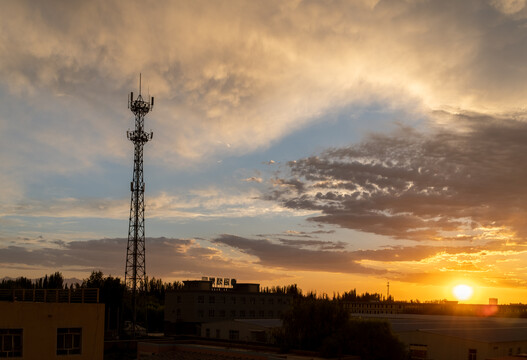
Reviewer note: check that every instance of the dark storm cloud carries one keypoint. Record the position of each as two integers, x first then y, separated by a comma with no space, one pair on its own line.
410,185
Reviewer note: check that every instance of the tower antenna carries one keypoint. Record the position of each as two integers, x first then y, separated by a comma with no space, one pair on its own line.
135,274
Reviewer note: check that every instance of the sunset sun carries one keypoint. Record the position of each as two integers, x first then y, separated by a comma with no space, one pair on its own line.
462,292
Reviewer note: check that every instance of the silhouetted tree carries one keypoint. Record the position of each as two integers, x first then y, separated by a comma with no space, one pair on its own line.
326,326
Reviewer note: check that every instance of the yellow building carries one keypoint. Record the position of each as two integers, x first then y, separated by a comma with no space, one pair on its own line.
51,324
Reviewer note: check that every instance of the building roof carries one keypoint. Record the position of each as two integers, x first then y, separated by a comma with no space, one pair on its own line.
488,330
267,323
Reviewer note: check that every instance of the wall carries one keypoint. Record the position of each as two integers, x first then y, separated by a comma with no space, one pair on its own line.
40,322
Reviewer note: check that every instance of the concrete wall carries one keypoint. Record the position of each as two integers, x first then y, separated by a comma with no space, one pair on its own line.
443,347
40,321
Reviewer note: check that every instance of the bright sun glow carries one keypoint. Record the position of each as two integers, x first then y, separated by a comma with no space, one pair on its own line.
462,292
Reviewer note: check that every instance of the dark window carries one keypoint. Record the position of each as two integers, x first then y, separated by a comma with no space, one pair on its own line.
222,313
418,352
201,299
234,335
243,300
261,314
212,299
252,314
10,343
207,332
472,354
217,333
252,301
211,312
179,299
242,313
69,341
233,313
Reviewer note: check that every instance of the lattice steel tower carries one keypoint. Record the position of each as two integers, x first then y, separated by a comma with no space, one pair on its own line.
135,273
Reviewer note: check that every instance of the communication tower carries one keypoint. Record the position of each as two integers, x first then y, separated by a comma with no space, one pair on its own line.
134,274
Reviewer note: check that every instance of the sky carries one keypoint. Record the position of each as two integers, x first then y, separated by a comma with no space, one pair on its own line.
336,145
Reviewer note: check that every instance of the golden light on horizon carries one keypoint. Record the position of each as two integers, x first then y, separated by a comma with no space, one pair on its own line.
462,292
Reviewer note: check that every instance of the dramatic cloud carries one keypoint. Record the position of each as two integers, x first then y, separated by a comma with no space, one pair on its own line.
463,183
288,256
247,73
167,258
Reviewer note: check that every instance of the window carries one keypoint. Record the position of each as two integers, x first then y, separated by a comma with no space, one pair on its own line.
207,332
179,299
418,352
261,313
217,333
472,354
211,312
234,335
252,314
243,300
10,343
233,313
212,299
222,313
201,299
242,313
69,341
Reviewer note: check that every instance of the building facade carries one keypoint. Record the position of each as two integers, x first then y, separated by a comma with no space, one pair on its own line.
199,302
46,324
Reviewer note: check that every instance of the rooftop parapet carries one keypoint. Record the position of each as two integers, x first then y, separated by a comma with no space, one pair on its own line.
51,295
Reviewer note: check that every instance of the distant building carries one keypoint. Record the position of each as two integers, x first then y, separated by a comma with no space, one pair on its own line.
200,302
437,308
458,337
493,301
246,330
51,324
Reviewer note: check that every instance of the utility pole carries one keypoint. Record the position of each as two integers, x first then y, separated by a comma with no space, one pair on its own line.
135,273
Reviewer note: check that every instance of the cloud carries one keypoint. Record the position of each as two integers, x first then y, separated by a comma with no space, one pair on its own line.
292,257
167,258
253,179
464,183
254,72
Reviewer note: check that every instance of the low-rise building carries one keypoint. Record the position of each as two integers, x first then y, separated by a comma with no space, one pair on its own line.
443,337
51,324
200,302
246,330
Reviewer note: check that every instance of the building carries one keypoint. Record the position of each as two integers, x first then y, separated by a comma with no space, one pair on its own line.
51,324
442,337
200,301
246,330
437,308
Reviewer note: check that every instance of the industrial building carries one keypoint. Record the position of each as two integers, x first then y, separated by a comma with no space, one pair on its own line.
51,324
442,337
205,301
